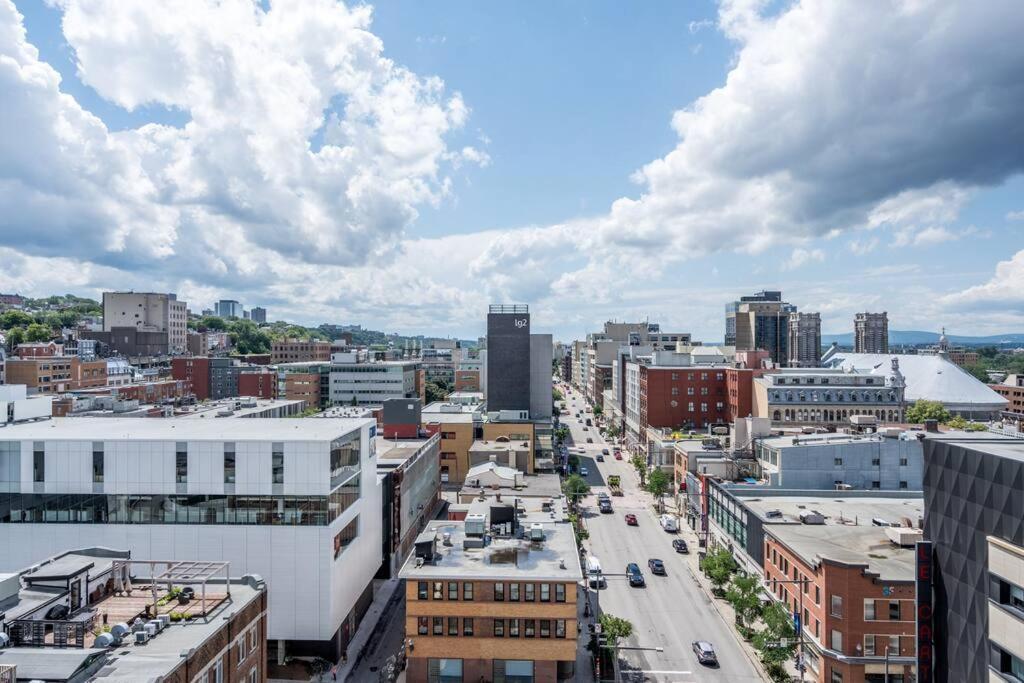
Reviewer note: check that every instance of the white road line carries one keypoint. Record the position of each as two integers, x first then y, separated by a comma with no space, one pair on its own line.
650,671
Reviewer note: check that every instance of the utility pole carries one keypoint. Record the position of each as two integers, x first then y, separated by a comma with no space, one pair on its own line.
800,632
887,662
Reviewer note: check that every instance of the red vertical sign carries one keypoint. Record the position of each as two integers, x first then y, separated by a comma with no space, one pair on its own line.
925,634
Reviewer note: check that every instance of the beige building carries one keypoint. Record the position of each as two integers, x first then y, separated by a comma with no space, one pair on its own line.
148,312
812,397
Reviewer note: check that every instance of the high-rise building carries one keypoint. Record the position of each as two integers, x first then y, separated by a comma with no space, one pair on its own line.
258,315
804,340
228,308
871,333
974,520
760,321
147,312
508,358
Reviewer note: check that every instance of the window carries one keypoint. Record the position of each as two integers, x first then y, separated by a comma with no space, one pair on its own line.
528,590
559,592
675,391
253,673
438,590
837,640
453,590
869,609
703,407
252,640
343,538
241,650
894,646
513,628
467,590
559,628
903,462
876,484
869,645
499,592
894,610
836,609
875,462
421,625
903,484
438,626
277,463
837,676
218,671
444,670
181,462
689,406
38,462
529,627
229,463
1009,595
499,628
545,592
703,391
467,627
838,462
421,590
97,462
690,391
545,628
453,626
513,592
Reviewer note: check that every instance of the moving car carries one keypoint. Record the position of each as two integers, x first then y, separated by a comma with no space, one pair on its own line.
680,546
594,575
656,566
604,451
705,652
604,505
584,471
668,523
635,576
618,455
631,520
590,440
599,458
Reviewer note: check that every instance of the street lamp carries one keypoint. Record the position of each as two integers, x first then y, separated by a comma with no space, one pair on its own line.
800,615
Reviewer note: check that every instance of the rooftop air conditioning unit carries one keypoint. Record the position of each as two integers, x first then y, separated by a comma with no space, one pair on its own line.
476,524
141,637
536,531
811,517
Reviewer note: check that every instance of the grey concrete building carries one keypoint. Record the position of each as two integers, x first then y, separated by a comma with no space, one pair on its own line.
147,312
871,333
258,315
540,376
508,357
829,461
130,341
974,517
804,340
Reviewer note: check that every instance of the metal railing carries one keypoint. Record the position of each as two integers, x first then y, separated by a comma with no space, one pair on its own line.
517,309
8,673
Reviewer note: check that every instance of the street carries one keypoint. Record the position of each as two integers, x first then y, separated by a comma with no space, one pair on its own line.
672,611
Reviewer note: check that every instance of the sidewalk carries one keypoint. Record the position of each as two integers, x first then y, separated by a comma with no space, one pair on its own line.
383,601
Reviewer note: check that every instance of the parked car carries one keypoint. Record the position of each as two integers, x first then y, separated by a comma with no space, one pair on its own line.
631,520
656,566
594,576
584,471
590,440
705,652
668,523
586,429
680,546
635,576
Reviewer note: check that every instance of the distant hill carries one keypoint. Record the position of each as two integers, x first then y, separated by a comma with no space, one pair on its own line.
917,337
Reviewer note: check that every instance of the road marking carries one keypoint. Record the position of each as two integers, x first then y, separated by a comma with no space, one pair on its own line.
651,671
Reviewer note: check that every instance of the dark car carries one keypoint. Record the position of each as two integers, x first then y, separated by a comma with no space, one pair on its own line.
599,458
590,440
635,576
679,545
604,451
705,652
656,566
605,505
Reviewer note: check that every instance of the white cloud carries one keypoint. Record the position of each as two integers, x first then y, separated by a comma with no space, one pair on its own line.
801,257
1015,216
862,247
1002,291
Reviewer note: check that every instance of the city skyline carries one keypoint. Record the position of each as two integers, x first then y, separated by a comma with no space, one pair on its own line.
458,169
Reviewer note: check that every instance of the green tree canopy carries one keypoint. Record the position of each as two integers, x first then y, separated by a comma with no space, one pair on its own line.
15,336
15,318
37,333
615,628
744,594
247,337
924,409
598,409
719,566
658,483
640,465
211,323
575,487
435,392
778,628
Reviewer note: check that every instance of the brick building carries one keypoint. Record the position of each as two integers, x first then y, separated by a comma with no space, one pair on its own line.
260,383
39,350
301,386
471,618
467,380
44,375
682,396
1012,389
300,351
195,371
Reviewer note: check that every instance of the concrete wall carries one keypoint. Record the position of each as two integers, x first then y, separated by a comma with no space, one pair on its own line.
814,466
540,376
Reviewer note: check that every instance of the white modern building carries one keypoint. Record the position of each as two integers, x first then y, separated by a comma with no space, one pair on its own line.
296,502
148,312
371,383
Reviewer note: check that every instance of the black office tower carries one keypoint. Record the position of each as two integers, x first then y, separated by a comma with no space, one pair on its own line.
508,357
974,517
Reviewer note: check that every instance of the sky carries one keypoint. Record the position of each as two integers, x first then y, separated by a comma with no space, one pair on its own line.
403,165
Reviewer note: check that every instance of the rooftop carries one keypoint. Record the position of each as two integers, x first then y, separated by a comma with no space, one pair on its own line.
502,445
848,535
399,450
530,486
177,428
985,442
556,559
248,405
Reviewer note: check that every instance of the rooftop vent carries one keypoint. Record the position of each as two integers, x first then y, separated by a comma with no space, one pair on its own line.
811,517
536,531
476,525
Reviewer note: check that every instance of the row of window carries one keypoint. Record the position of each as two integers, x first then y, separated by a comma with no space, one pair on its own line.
526,592
840,396
500,628
690,376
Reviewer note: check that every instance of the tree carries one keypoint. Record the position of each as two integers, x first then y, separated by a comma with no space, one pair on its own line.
614,628
15,318
744,594
434,392
556,395
957,422
38,333
640,465
924,409
658,484
719,566
979,371
598,410
248,337
15,336
575,487
577,527
778,627
612,431
211,323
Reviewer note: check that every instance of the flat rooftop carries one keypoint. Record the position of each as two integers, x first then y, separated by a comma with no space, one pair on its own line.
827,439
848,535
557,559
481,445
986,442
397,450
207,410
183,429
532,486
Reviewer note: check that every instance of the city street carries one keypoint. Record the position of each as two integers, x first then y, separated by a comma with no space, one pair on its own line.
672,611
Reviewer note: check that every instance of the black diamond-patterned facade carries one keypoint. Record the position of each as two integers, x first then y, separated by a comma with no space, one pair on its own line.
969,494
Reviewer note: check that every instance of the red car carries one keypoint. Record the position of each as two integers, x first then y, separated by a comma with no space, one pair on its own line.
618,455
631,520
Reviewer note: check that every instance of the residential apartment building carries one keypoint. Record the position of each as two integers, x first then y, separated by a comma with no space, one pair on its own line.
804,340
146,312
760,321
871,332
493,597
1011,389
217,378
258,315
300,351
227,490
39,350
830,396
974,520
44,375
225,640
